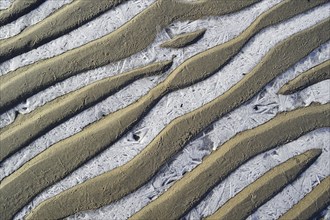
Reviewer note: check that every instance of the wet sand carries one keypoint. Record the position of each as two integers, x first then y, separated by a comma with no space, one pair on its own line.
17,9
61,159
313,203
31,126
310,77
61,22
264,188
184,40
139,33
181,130
194,185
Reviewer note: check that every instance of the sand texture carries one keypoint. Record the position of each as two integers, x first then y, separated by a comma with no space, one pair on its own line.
127,52
139,32
17,9
95,138
194,185
313,203
31,126
308,78
253,196
184,40
97,134
59,23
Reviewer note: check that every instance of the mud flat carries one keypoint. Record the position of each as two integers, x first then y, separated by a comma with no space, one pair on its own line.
17,9
259,192
189,190
184,40
59,23
31,126
313,203
312,76
178,133
139,32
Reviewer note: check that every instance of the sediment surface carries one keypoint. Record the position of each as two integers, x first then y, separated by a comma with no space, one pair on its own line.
194,185
257,193
31,126
17,9
183,129
26,80
312,76
59,23
313,203
139,32
59,160
184,40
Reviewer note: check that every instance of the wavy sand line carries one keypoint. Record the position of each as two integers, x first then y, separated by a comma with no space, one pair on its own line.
189,190
310,77
184,40
265,187
31,126
313,203
169,142
17,9
61,22
214,57
138,33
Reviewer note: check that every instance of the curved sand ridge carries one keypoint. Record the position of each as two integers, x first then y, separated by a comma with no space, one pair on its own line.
265,187
227,51
59,23
31,126
16,10
29,76
194,185
138,33
176,134
61,158
214,58
313,203
312,76
183,40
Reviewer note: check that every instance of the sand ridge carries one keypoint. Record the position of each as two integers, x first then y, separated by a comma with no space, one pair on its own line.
27,77
42,167
313,203
31,126
17,9
181,130
57,24
60,159
138,33
312,76
265,187
219,164
183,40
